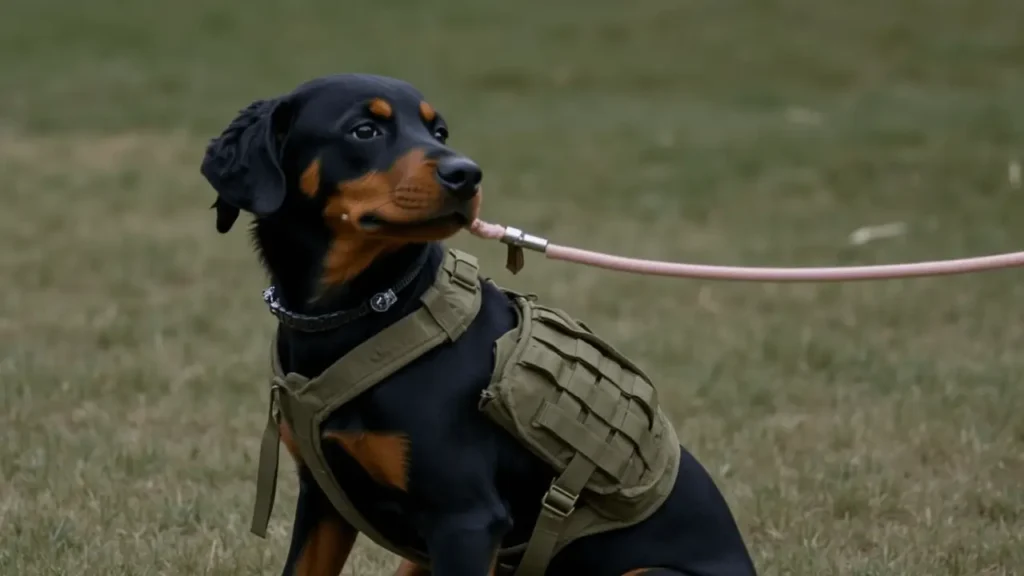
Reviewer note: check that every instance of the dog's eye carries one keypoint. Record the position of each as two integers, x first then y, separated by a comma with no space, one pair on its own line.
365,132
441,133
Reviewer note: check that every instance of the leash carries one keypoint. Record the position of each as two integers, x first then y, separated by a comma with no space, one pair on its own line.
517,241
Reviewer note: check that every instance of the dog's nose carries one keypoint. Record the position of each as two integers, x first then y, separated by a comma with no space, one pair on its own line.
460,175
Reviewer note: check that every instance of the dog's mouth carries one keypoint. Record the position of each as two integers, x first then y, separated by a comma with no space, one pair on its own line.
374,223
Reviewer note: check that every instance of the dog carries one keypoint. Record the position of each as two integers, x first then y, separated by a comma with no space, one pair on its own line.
354,188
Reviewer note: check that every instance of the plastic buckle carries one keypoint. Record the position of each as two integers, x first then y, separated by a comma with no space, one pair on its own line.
276,386
559,502
463,277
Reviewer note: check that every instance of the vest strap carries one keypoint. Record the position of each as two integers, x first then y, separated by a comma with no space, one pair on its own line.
559,502
461,291
266,479
449,307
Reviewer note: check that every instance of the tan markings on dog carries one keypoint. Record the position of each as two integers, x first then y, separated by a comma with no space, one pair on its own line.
326,549
349,255
638,572
309,182
409,568
427,112
379,107
351,251
404,195
384,456
289,441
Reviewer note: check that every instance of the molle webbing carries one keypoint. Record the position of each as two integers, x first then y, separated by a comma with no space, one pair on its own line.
589,412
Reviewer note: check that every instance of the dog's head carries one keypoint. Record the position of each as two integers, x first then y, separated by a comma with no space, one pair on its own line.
361,161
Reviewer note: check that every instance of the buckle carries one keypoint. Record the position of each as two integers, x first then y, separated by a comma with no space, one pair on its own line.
276,387
559,502
463,277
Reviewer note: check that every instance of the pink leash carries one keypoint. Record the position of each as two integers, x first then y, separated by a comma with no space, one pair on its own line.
517,240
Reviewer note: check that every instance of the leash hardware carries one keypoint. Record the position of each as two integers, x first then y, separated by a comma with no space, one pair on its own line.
516,237
516,240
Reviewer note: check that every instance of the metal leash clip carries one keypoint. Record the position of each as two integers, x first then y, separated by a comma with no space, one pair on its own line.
517,240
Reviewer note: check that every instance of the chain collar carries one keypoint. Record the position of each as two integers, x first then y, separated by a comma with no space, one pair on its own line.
379,302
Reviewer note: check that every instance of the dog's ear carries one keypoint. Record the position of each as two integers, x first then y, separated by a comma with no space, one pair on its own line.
243,164
226,215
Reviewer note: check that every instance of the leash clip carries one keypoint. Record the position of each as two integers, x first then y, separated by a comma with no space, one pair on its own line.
518,238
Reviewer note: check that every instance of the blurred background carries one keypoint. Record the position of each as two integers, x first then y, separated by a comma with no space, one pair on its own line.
856,429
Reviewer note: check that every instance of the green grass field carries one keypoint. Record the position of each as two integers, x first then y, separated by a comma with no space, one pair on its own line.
857,429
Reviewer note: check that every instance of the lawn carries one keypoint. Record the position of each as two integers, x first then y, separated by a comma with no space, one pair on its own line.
856,429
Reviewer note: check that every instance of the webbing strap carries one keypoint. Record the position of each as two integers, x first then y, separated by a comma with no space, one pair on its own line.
449,307
609,458
558,503
380,356
266,479
270,448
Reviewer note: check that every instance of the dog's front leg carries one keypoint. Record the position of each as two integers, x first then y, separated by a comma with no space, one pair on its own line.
466,544
321,538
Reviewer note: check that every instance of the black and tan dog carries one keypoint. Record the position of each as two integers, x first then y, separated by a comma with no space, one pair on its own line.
353,186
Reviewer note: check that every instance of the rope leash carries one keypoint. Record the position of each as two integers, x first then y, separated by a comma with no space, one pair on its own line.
517,241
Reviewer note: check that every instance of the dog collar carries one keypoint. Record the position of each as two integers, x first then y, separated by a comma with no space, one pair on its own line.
379,302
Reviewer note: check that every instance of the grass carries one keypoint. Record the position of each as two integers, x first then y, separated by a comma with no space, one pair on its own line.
857,429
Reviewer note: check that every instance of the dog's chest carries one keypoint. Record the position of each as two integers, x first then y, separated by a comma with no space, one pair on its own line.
416,444
406,447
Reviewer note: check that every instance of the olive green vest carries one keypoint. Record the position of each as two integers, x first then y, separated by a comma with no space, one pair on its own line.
570,398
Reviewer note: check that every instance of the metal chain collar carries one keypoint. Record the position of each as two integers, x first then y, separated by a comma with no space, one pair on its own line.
379,302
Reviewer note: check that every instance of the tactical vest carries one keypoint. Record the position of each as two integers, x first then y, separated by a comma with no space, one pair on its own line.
568,396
